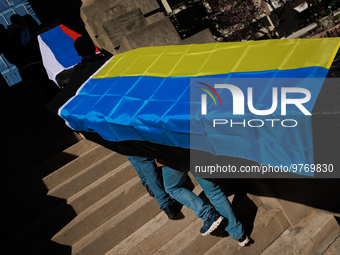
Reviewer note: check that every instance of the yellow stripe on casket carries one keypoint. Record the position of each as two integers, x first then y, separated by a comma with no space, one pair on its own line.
222,58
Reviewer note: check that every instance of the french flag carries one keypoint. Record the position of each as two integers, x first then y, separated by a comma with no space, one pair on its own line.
57,50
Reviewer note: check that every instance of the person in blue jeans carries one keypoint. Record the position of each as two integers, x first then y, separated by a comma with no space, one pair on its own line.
174,177
147,171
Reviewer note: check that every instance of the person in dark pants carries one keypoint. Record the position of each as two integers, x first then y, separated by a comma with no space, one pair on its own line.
145,167
149,176
175,175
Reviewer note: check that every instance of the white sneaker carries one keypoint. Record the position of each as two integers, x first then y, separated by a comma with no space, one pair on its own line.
243,240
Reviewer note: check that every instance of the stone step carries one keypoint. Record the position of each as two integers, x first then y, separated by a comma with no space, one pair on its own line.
267,226
32,154
155,233
75,166
35,230
43,205
45,168
190,241
79,202
87,176
38,190
119,227
161,32
334,248
102,187
37,207
45,246
100,212
66,156
311,236
48,213
33,211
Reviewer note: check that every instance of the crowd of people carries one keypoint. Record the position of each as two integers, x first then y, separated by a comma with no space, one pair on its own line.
19,45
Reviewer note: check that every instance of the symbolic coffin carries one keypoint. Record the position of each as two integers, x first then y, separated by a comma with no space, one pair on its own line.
141,102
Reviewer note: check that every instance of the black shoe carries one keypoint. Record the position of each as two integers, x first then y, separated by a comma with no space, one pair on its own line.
172,210
149,191
243,240
213,221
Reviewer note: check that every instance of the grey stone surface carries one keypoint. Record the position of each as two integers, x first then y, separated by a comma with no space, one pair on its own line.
102,187
334,248
117,228
86,177
311,236
20,188
271,194
100,212
295,212
88,2
99,7
316,233
99,11
189,241
74,167
155,17
152,236
158,33
115,29
96,21
268,225
284,245
204,36
124,46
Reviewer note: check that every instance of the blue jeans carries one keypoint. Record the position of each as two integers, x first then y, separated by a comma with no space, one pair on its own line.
174,177
147,172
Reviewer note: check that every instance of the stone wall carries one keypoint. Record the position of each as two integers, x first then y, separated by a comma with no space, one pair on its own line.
158,33
121,25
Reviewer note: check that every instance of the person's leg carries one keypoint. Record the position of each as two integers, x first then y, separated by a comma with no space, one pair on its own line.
146,169
141,175
221,203
174,177
136,166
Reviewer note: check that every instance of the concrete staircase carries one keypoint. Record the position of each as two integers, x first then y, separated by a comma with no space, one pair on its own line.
95,204
311,236
64,195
